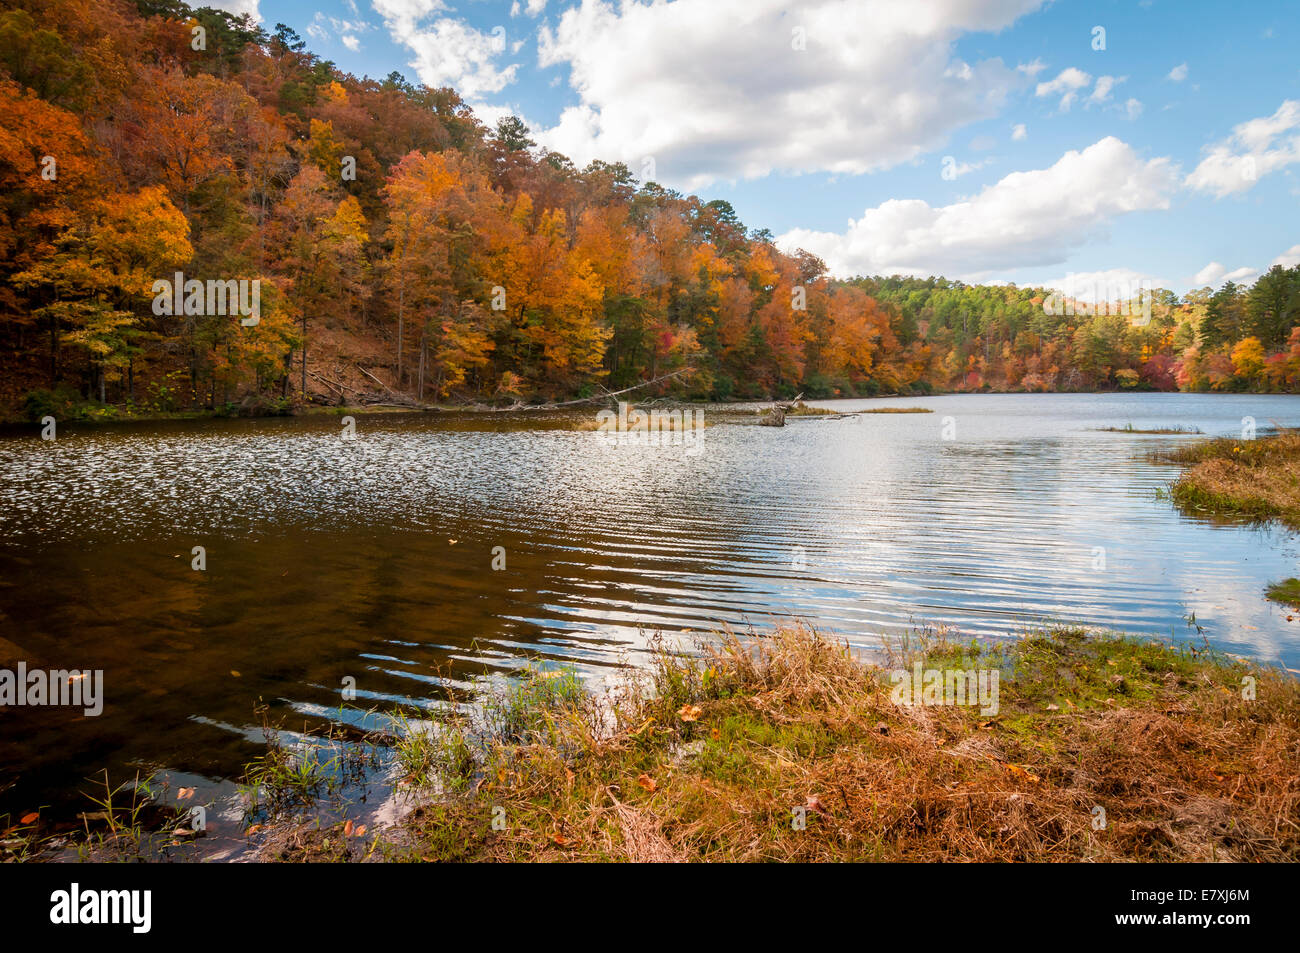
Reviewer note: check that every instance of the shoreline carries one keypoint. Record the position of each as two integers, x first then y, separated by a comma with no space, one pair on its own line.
1092,746
13,424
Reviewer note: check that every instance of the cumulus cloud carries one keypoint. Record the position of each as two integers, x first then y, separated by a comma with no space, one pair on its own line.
448,51
1178,73
731,89
1025,219
1255,148
1105,85
1214,274
1018,131
1067,84
237,7
1108,285
324,27
1289,258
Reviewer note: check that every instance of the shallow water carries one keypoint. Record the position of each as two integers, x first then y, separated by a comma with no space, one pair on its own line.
372,558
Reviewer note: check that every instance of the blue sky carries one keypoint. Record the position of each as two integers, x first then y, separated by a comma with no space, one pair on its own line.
988,140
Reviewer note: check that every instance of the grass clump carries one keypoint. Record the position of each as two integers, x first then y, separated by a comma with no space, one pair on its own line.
787,747
1287,592
1129,428
1258,479
897,410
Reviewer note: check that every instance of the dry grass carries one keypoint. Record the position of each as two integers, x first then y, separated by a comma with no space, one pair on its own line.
897,410
716,756
1253,478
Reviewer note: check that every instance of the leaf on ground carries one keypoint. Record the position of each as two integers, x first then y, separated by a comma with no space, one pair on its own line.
29,818
647,782
184,794
644,725
690,712
1020,773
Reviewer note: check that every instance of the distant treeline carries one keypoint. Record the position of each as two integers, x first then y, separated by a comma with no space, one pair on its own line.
397,242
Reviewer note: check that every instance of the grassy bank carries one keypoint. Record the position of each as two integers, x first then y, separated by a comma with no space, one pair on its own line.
787,748
1258,478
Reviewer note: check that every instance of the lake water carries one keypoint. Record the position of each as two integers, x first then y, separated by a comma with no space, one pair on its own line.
372,558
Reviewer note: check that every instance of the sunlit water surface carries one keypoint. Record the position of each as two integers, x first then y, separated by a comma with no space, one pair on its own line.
373,558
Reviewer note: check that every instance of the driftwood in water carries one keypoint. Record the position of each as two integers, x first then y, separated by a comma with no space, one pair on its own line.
605,395
777,416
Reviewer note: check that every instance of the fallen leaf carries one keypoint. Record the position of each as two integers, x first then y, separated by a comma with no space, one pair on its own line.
347,828
1019,772
252,830
814,803
234,673
29,818
644,725
184,794
1053,707
360,830
689,713
647,782
715,734
560,840
452,542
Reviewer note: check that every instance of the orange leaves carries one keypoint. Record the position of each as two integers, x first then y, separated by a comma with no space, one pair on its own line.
689,713
647,783
31,818
1019,773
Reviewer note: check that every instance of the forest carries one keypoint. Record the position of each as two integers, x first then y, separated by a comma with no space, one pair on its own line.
401,247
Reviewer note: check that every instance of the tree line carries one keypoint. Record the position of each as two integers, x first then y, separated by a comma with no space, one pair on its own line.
398,242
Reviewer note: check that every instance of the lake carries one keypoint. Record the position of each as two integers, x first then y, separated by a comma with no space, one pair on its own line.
372,559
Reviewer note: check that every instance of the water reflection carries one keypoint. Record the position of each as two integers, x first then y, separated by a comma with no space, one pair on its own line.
373,558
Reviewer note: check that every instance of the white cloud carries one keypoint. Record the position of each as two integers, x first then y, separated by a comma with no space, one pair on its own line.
1018,131
1178,73
1033,68
323,28
1214,274
1289,258
448,52
1066,84
237,7
1026,219
535,7
1105,85
1111,284
1132,108
1255,148
950,168
719,89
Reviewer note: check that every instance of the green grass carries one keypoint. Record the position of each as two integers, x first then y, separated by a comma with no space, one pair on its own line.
1287,592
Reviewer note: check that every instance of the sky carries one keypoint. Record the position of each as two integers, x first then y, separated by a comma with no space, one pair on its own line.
1066,143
